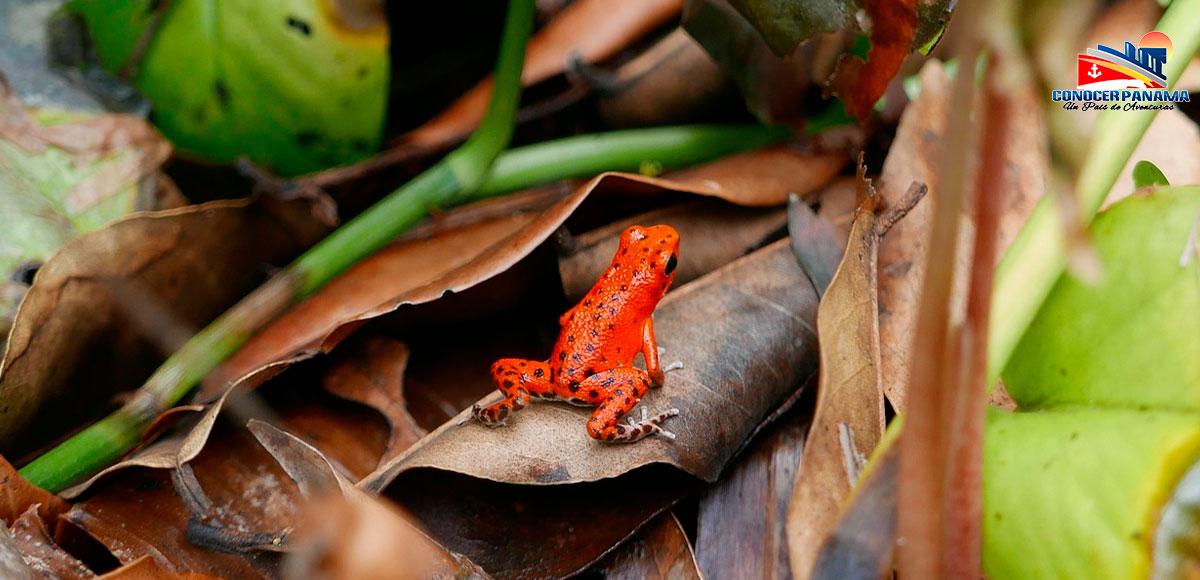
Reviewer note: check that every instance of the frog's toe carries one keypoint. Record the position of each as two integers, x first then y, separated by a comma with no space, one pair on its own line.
490,416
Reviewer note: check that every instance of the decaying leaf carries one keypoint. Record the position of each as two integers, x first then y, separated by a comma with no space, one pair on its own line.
762,303
862,543
97,313
903,251
740,532
17,495
147,568
658,551
893,32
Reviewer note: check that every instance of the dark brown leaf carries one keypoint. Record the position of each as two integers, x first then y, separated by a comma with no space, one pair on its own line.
658,551
18,495
741,528
146,568
862,544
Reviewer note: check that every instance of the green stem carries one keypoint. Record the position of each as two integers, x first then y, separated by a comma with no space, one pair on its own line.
1037,257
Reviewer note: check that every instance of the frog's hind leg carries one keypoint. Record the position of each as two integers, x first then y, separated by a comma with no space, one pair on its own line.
615,393
519,380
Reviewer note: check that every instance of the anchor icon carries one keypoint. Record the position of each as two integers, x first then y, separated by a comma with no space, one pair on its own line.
1094,72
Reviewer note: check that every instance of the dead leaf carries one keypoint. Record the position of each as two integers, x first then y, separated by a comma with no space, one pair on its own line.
40,551
12,565
809,233
763,303
73,345
523,531
590,30
712,233
740,530
305,464
372,373
136,512
367,537
18,495
902,252
848,420
658,551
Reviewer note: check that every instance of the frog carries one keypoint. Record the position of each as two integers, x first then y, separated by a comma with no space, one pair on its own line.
592,362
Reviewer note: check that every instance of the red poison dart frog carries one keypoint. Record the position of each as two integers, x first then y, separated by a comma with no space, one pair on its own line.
592,362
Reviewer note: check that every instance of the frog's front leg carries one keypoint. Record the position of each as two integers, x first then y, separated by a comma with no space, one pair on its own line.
616,392
518,379
651,351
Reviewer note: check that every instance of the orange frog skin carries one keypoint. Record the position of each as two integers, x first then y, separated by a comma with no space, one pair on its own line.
592,361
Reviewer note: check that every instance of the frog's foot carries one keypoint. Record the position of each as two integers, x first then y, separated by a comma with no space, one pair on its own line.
655,423
492,415
677,365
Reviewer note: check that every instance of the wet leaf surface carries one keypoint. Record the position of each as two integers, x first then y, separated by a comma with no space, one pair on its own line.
658,551
147,568
17,495
106,308
848,420
39,551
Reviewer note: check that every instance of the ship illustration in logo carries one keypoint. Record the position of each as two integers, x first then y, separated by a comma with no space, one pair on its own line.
1135,67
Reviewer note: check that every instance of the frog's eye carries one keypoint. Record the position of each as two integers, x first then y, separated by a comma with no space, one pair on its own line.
672,262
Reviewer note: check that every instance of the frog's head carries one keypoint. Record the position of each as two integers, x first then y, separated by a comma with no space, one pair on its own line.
653,252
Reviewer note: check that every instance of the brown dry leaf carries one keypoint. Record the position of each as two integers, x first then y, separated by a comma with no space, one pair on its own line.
762,303
18,495
902,252
372,373
658,551
712,233
93,323
590,30
137,512
744,513
146,568
427,265
367,537
41,553
848,420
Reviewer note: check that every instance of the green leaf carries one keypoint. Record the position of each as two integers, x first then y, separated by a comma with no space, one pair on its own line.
293,85
1132,340
1075,493
1147,174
